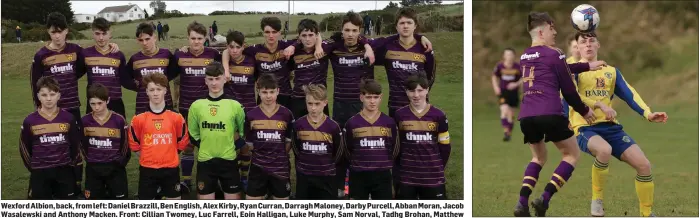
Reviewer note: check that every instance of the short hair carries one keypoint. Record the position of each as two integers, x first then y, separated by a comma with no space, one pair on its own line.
407,13
48,82
354,18
509,49
579,35
414,80
537,19
56,20
157,78
267,81
235,36
197,28
214,69
307,24
369,87
100,24
99,91
318,91
144,28
273,22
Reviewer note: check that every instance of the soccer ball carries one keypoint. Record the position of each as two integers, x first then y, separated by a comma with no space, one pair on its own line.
585,18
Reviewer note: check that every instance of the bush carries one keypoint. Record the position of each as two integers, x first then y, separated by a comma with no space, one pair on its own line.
33,32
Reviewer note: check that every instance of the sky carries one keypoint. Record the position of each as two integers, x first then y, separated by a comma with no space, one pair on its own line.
206,7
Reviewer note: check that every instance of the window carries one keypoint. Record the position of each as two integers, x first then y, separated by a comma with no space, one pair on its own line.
121,15
130,14
140,15
87,18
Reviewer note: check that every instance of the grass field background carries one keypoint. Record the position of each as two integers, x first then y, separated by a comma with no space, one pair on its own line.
16,104
664,74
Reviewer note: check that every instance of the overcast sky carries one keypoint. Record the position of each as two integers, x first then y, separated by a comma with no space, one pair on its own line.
206,7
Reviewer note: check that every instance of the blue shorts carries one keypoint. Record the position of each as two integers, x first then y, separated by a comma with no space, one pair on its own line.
610,132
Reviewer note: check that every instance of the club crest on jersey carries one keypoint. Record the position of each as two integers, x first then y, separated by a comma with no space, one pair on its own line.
281,125
114,62
213,111
247,70
111,132
158,125
70,57
63,127
417,57
200,185
162,62
432,126
384,131
87,193
600,82
207,61
608,75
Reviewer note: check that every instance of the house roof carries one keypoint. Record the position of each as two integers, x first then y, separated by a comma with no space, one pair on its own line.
117,9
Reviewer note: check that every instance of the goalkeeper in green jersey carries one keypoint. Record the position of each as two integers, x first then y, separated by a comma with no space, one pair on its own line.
216,128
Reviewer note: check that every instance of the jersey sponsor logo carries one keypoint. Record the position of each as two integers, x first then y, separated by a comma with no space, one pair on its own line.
213,111
103,71
274,66
366,143
526,56
52,139
597,93
157,139
239,79
62,69
312,64
100,143
274,136
410,66
419,137
213,126
351,61
195,71
508,77
315,148
146,71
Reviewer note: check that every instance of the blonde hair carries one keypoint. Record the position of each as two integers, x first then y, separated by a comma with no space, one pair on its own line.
319,92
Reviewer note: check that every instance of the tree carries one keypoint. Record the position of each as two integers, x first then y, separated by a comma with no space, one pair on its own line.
391,5
145,12
158,7
28,11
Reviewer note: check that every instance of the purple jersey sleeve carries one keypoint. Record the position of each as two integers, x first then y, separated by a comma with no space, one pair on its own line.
80,67
338,144
567,87
430,68
578,68
394,140
25,145
443,139
173,68
125,74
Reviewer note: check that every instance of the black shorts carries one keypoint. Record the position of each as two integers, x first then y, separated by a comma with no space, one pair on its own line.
284,100
116,105
509,97
375,183
217,171
310,187
58,182
551,128
344,110
167,179
260,183
100,177
410,192
299,109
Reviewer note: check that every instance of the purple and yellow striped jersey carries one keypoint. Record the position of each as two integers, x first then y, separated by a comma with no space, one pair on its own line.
268,134
192,71
317,146
371,142
141,65
48,141
66,65
105,141
107,69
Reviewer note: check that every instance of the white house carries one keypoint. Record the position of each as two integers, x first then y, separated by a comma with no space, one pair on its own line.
83,18
122,13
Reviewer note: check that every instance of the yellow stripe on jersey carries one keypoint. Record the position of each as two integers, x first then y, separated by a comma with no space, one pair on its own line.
602,86
443,138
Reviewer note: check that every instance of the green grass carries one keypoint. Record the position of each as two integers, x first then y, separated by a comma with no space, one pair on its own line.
447,95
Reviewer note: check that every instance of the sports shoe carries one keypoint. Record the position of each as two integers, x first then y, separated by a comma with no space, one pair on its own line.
597,208
539,207
522,210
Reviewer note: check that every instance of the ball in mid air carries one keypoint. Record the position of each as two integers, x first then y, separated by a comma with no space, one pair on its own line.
585,18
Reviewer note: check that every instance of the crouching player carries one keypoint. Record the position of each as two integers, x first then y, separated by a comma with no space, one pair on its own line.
160,135
371,138
104,148
424,144
605,137
268,134
216,128
49,145
317,148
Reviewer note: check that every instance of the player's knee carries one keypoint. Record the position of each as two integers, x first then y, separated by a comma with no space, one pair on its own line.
643,167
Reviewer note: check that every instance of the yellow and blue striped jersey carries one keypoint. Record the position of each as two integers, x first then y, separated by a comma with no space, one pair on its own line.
572,60
602,86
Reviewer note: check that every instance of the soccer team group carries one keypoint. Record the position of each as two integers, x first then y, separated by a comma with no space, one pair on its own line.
553,85
243,116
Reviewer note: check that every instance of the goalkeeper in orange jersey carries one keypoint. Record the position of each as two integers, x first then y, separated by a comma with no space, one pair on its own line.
159,134
605,137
